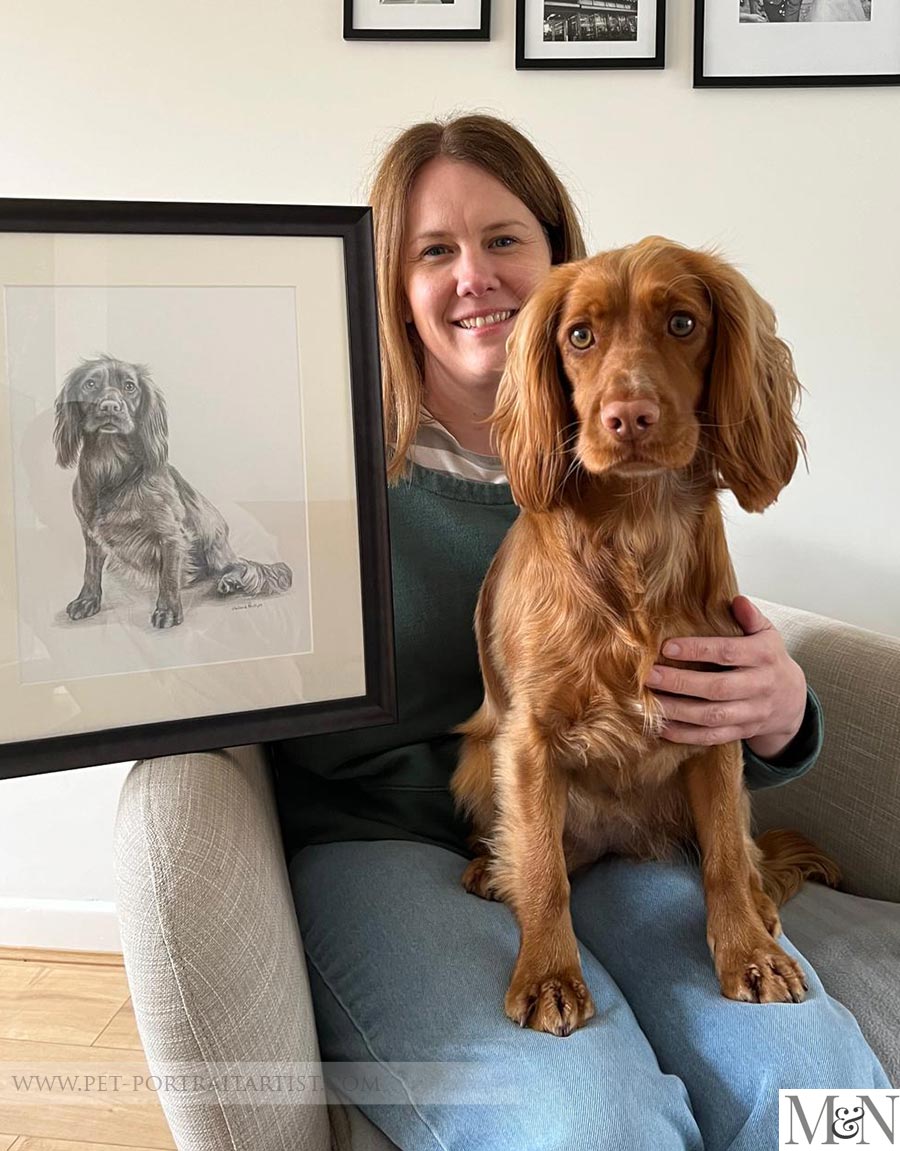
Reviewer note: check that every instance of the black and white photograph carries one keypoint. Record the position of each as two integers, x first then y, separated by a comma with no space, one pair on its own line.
192,433
590,34
417,19
803,11
796,43
614,20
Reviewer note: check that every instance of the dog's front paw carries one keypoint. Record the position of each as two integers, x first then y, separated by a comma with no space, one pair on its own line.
760,973
84,606
556,1002
477,880
169,615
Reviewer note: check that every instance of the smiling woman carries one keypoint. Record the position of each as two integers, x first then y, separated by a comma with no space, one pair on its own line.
475,251
468,215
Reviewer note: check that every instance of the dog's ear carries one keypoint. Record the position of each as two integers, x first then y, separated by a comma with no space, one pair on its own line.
753,392
67,432
532,410
152,422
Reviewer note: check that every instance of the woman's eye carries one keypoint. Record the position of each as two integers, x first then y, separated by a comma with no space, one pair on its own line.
681,324
581,338
504,241
435,250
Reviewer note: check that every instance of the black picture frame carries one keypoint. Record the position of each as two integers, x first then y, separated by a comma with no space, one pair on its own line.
657,59
26,221
480,32
763,80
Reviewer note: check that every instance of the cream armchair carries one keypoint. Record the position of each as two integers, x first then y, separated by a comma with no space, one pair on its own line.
213,952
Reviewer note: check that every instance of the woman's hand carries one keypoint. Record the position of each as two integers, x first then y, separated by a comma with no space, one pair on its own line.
761,699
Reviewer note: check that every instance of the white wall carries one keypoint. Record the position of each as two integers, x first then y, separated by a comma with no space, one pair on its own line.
265,102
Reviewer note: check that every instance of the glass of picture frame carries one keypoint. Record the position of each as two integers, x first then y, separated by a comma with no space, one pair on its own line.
193,513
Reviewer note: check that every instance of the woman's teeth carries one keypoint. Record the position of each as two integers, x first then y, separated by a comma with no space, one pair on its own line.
484,321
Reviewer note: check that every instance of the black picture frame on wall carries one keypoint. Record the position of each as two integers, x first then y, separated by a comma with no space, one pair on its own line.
414,20
826,53
227,354
608,34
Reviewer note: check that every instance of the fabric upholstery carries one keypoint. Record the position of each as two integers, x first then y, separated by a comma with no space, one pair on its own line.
850,802
211,943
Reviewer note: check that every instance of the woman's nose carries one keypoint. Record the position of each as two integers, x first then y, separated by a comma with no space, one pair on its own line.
475,275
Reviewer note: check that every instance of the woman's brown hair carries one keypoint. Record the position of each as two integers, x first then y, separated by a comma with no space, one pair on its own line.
509,157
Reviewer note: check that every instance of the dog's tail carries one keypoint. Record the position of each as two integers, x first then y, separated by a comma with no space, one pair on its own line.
247,577
789,859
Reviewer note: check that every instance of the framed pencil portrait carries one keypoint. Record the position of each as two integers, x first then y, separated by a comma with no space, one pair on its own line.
417,19
590,33
796,43
193,518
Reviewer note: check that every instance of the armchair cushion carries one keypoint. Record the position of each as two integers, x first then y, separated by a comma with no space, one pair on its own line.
854,946
850,802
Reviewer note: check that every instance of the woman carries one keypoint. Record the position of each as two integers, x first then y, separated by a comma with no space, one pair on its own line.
405,967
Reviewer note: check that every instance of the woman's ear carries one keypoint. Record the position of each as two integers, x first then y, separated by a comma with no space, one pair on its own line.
532,409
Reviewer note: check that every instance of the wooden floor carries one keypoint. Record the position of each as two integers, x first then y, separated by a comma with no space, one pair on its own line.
69,1013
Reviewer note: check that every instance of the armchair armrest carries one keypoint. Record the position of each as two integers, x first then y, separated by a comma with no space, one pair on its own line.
849,803
212,947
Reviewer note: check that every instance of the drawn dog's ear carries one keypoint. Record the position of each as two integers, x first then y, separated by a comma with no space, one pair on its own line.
67,434
152,423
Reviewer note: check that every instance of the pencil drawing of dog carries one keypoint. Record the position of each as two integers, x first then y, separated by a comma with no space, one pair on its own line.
134,507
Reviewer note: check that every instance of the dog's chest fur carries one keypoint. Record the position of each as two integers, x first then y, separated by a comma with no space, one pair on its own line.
616,606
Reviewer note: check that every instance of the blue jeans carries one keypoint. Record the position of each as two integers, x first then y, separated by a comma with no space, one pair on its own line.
406,967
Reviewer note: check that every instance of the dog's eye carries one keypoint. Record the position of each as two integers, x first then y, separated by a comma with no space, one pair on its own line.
130,385
581,338
681,324
89,383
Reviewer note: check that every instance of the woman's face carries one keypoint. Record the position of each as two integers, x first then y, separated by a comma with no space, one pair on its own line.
473,252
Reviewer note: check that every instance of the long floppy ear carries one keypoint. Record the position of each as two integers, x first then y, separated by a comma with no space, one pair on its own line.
753,392
152,422
67,433
532,410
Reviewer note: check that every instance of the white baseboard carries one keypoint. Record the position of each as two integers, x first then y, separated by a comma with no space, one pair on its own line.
67,924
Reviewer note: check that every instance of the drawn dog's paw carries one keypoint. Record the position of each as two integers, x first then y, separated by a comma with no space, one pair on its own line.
84,606
169,615
282,575
233,580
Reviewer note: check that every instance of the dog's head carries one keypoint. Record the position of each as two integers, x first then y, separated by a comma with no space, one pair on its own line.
649,358
109,397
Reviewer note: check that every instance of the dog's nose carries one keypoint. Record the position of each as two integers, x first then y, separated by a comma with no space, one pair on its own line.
629,419
110,406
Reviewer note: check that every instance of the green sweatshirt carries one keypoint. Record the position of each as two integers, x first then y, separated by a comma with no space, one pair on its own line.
391,781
